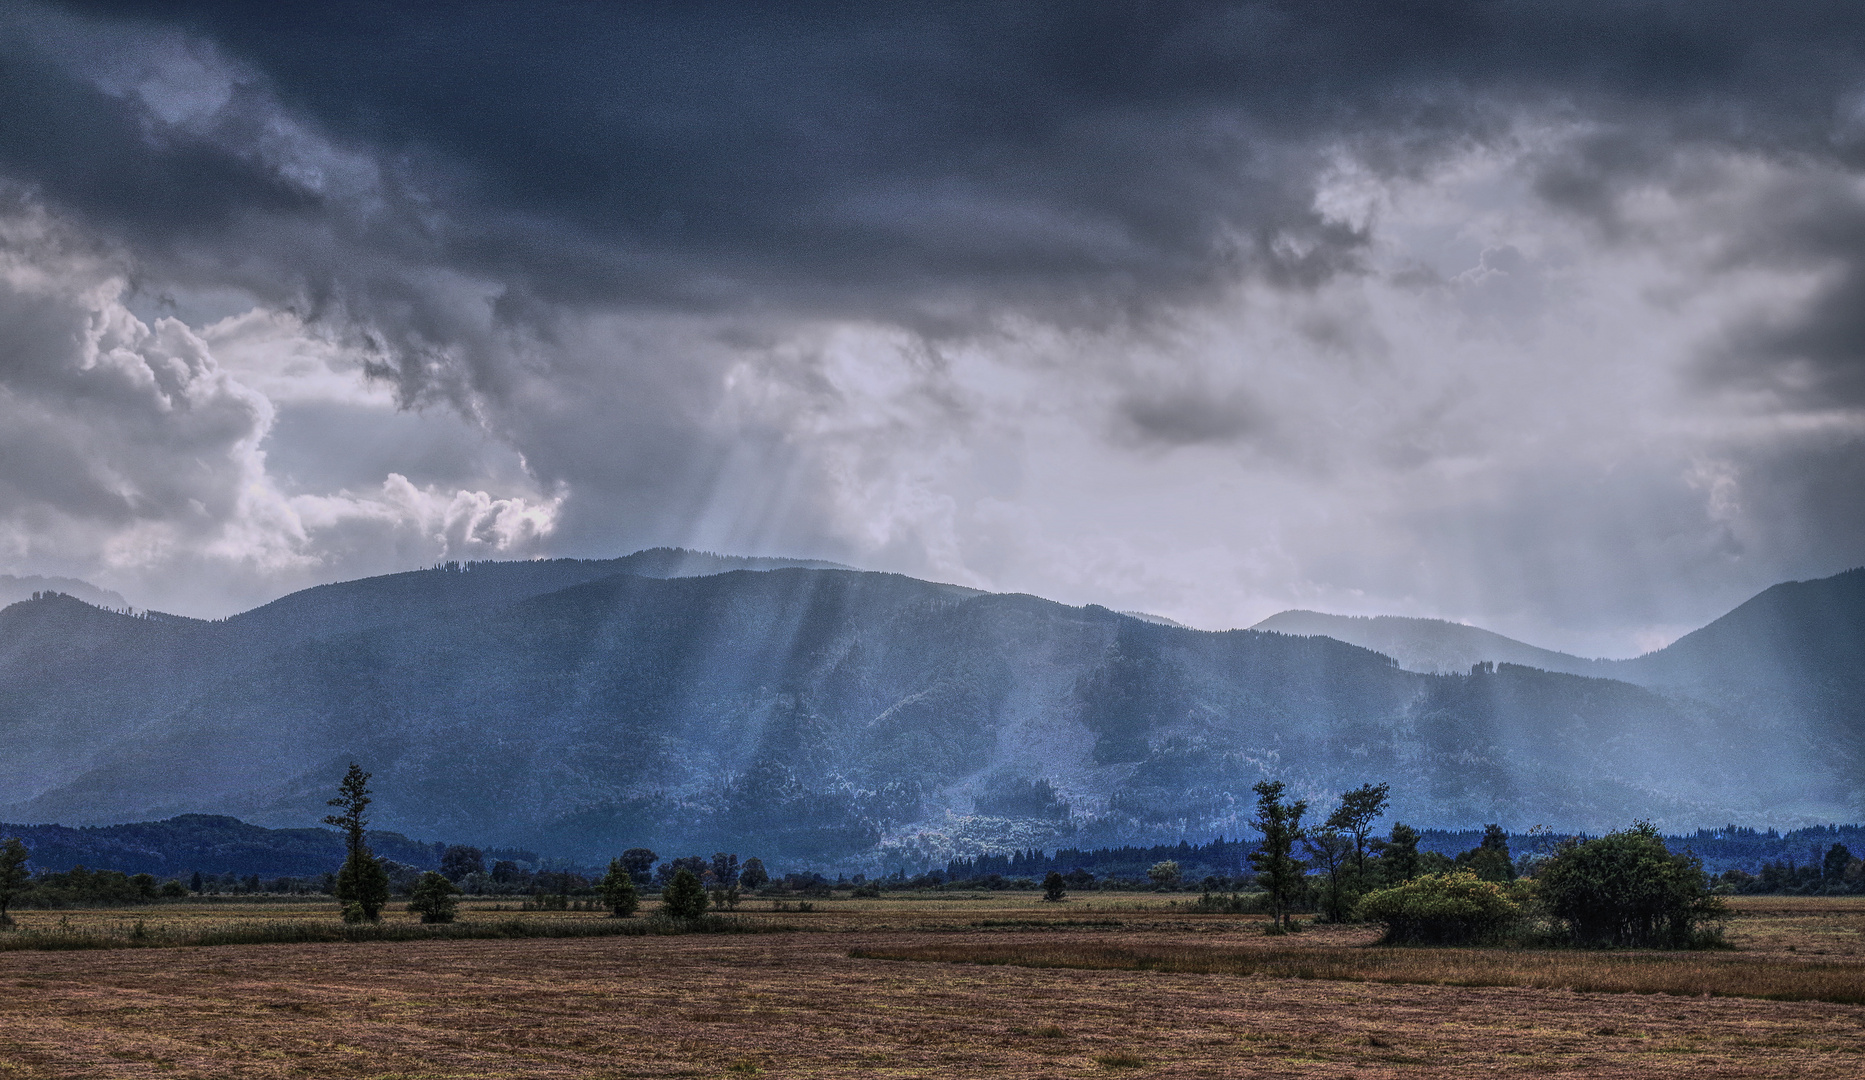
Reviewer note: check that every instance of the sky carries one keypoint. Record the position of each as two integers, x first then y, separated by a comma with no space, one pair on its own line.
1548,318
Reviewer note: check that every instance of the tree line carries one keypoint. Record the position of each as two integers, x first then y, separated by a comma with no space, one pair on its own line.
1337,869
1623,889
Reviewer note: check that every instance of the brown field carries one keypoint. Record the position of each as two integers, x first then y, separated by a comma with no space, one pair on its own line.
798,1004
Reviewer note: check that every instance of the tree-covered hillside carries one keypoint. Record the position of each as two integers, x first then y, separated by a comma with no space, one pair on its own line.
208,843
820,714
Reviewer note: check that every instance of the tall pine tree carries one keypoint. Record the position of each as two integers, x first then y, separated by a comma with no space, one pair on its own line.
362,884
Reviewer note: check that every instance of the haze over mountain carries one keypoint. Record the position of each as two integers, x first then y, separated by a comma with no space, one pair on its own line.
1429,645
1793,650
836,714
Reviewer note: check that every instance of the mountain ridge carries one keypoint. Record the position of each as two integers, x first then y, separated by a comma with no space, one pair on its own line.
1434,646
829,714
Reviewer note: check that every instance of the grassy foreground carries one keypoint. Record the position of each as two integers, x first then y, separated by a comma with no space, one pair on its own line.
1686,974
303,932
784,1005
1151,992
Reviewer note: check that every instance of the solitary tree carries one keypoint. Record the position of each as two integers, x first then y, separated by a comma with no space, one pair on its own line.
618,890
1055,887
1276,867
434,898
362,884
13,876
1164,874
754,876
684,897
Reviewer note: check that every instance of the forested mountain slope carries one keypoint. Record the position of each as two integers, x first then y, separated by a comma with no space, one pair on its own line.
821,714
1792,660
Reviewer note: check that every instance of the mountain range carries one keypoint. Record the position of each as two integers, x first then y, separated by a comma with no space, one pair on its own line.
685,701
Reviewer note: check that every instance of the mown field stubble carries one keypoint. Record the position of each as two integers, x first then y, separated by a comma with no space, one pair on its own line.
809,1003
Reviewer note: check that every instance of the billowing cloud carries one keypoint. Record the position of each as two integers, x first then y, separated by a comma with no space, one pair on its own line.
133,453
1540,316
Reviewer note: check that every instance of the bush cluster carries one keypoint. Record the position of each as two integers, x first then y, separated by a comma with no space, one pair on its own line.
1455,908
1628,890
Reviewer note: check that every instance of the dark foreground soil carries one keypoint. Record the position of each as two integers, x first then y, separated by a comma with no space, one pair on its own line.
796,1005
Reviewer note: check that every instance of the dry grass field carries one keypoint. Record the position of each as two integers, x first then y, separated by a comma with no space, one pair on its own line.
813,1002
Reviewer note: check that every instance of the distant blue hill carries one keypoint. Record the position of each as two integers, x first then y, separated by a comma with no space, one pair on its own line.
209,843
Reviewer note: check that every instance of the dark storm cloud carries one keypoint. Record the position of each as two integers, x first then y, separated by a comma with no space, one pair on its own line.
931,165
904,158
1812,354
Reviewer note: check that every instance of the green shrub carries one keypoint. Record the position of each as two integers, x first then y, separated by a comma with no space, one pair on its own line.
1626,889
618,890
434,898
684,897
1457,908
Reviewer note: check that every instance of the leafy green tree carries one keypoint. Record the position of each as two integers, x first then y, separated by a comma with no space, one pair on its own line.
1055,887
753,875
640,863
619,894
1490,859
697,865
1331,852
13,875
1838,857
1354,817
1458,908
434,898
1626,889
684,897
1398,855
459,860
362,883
1339,849
1164,875
1277,868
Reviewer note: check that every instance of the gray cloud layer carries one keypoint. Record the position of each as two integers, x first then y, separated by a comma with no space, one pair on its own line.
1540,315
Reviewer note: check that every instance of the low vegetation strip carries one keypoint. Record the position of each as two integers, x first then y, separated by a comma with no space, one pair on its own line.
280,932
1686,974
